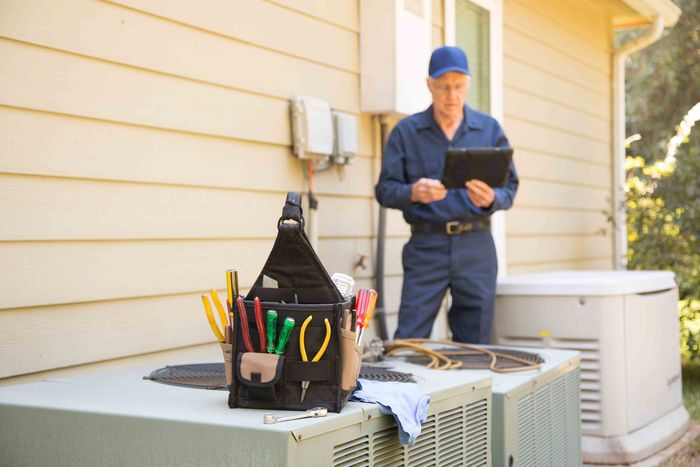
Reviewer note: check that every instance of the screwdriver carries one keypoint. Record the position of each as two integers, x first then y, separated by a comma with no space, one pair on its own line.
271,330
284,335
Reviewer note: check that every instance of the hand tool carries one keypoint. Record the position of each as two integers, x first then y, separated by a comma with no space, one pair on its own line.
219,307
229,335
231,285
345,322
260,323
344,283
361,309
369,314
284,335
212,321
319,354
243,316
270,418
271,330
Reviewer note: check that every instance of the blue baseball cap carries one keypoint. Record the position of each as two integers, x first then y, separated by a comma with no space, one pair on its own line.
446,59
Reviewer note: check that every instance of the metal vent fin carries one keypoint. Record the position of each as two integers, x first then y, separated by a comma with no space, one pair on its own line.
548,424
573,409
526,430
476,433
591,407
451,436
352,453
457,436
423,452
386,449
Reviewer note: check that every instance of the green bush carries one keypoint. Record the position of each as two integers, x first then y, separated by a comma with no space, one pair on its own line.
664,179
663,222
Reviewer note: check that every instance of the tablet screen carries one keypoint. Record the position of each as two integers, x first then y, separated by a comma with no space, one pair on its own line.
489,165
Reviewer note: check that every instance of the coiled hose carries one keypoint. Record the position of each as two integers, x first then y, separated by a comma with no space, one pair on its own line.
441,361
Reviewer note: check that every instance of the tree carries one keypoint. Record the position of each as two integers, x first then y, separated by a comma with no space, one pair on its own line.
663,204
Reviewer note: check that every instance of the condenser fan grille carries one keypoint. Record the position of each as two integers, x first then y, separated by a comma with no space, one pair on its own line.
212,376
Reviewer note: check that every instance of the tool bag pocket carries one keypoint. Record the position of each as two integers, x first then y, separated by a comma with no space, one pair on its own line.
351,358
302,289
259,375
227,350
323,376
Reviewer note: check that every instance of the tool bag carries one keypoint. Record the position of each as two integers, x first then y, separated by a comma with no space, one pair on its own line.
303,288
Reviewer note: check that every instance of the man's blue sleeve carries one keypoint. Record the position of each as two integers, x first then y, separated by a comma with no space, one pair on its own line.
503,197
393,189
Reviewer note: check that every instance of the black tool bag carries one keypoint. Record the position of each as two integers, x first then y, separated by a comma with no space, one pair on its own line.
303,288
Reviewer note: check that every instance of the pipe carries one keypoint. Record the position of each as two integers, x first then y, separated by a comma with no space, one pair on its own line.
619,210
380,310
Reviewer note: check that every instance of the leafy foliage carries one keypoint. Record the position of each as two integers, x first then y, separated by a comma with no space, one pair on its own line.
663,204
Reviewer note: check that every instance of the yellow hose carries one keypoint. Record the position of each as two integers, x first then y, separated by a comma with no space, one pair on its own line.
440,361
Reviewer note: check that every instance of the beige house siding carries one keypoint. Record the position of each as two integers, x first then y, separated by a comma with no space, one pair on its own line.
557,114
145,147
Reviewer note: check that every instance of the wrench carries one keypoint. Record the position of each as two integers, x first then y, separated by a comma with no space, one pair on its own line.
270,418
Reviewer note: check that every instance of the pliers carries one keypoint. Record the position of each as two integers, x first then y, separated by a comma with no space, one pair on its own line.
319,354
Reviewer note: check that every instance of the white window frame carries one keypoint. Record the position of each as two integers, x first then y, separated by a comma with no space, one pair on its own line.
495,9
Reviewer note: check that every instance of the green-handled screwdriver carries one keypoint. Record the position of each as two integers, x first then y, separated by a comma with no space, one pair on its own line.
271,330
284,335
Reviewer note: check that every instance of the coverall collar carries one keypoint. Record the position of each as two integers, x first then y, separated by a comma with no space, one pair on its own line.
426,119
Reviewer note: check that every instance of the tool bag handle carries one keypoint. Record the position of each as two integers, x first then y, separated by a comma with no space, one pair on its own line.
292,210
293,263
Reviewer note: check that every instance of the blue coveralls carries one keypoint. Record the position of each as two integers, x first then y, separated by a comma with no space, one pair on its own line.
432,262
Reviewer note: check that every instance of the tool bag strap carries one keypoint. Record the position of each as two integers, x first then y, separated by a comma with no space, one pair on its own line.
293,263
292,210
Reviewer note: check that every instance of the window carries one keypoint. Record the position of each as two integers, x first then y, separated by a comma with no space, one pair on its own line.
477,27
472,34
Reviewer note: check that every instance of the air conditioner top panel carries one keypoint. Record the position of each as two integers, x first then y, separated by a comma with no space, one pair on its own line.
125,393
586,283
556,363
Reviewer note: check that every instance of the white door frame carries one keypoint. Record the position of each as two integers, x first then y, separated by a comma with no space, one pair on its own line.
495,9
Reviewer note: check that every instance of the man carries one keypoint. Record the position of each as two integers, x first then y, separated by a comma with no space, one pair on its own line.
451,244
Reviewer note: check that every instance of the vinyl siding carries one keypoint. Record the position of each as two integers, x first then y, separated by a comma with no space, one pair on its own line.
557,114
145,147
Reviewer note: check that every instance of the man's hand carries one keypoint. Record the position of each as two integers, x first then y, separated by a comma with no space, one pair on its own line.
427,190
479,193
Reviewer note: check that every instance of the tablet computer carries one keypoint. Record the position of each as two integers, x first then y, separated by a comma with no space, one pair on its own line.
489,165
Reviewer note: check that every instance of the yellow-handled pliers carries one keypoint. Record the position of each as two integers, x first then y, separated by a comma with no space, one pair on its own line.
319,354
218,332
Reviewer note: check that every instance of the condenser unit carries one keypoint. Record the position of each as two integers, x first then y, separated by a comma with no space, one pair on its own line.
535,417
535,414
625,324
120,419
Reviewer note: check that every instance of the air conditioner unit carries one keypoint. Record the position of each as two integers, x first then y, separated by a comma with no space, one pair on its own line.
535,417
625,324
120,419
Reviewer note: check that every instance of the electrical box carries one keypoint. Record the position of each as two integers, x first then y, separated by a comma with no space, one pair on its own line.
312,127
395,47
345,137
